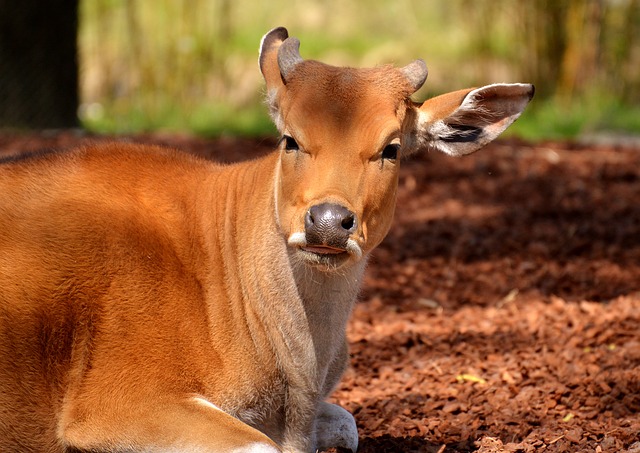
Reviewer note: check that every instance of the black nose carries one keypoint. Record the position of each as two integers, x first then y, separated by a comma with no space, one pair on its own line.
329,224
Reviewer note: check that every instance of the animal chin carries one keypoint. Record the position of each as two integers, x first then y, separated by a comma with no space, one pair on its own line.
324,258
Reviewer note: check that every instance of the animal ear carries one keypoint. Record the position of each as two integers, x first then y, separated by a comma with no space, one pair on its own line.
462,122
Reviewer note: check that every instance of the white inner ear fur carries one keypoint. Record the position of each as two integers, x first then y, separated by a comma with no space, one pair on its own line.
437,132
487,117
434,135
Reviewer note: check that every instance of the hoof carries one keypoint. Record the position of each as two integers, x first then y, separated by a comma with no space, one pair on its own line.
335,427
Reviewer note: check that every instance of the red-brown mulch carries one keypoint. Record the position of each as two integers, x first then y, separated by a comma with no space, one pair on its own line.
502,312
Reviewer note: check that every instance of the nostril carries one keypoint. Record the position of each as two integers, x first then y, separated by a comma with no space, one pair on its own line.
349,222
309,220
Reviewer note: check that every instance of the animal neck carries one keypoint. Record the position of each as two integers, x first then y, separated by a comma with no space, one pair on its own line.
328,298
257,277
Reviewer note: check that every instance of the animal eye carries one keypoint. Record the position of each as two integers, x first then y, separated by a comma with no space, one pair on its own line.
390,151
290,143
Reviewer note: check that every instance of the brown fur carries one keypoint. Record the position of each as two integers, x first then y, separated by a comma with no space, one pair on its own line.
153,301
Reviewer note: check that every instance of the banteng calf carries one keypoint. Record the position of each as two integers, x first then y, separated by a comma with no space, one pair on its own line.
151,301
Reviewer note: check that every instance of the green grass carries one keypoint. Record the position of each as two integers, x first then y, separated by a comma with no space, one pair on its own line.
192,66
203,120
554,120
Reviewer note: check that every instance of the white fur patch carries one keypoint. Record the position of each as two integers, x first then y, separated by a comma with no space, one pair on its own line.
256,447
271,100
300,240
297,240
354,249
206,403
434,135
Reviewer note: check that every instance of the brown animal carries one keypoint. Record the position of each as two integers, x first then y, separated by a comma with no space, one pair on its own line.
151,301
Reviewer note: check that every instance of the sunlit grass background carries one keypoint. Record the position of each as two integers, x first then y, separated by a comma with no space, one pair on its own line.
191,65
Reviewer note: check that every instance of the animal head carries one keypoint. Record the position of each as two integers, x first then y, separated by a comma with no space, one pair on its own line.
343,131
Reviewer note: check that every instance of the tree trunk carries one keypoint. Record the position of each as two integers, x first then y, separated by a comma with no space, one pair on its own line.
38,63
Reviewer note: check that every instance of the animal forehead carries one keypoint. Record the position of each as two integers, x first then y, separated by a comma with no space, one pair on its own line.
384,77
346,94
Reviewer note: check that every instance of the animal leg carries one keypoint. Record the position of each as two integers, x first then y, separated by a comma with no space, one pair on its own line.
193,425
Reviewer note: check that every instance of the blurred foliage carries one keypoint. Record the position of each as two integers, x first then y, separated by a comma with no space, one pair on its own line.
192,64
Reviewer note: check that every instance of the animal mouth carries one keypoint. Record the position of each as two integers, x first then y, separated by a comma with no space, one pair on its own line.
323,249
